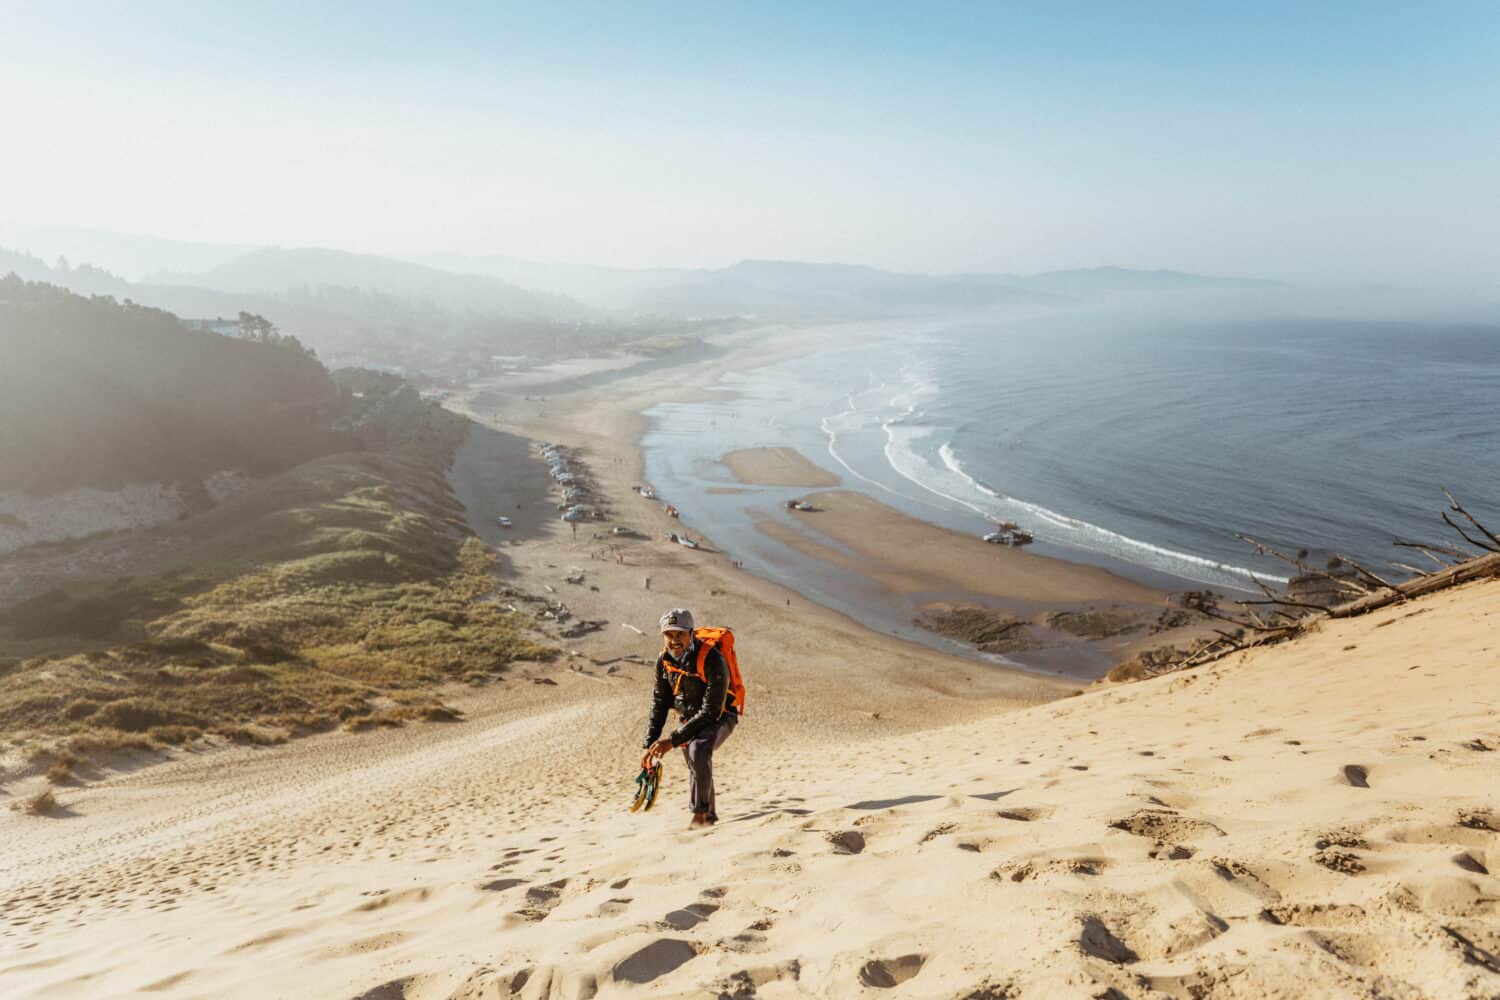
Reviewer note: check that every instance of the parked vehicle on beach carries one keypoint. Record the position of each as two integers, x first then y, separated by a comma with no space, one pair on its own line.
1009,533
503,521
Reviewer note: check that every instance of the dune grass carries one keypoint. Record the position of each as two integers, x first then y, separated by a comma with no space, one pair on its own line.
344,592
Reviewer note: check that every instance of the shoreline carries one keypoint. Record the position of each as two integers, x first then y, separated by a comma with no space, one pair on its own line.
881,590
1307,817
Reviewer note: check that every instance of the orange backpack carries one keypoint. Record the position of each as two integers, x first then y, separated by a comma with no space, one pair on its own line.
723,640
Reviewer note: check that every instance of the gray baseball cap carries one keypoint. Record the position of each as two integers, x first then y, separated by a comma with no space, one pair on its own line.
677,620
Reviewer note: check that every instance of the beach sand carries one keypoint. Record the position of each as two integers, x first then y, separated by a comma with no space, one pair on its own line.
910,555
776,467
1314,819
1065,617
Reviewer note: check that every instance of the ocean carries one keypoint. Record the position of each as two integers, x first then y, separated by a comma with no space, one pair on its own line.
1138,444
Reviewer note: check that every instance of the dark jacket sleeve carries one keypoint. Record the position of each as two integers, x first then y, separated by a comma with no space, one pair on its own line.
661,704
716,673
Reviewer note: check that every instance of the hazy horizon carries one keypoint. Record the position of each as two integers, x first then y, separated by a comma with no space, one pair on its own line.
1322,145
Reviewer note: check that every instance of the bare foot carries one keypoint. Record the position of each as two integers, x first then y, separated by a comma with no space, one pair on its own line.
699,821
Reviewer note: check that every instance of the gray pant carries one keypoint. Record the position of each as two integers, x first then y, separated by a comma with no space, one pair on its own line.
699,754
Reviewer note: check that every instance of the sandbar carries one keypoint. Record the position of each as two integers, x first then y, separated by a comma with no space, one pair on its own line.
777,467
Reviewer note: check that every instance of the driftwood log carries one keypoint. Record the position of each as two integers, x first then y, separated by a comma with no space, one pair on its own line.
1474,569
1371,591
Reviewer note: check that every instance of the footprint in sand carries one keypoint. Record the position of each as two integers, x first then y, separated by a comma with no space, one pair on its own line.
271,937
690,916
743,985
1475,819
393,990
394,898
1346,862
1024,815
542,981
1318,915
1336,851
1241,876
1165,825
169,983
1097,941
1025,871
1340,838
1163,851
1469,863
501,884
885,973
938,831
363,946
543,899
749,939
847,842
613,907
654,961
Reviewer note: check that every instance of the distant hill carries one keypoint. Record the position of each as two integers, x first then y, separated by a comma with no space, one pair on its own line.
279,271
1085,282
796,289
603,287
84,279
359,310
792,289
99,393
786,289
132,256
406,309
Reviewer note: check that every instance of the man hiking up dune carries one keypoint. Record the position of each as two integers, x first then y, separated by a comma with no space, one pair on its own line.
692,675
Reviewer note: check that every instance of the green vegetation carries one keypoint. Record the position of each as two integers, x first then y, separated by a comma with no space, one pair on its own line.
345,590
99,393
342,592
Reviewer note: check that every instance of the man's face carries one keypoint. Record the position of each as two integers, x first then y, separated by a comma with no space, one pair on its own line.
677,641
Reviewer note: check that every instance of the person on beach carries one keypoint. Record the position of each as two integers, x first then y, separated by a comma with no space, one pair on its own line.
706,710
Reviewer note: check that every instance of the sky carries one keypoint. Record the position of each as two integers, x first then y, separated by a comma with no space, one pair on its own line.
1328,141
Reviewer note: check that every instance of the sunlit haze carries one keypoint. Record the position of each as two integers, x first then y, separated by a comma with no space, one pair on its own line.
1350,142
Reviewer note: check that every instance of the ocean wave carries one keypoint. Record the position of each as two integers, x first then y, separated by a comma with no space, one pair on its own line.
906,461
853,419
895,407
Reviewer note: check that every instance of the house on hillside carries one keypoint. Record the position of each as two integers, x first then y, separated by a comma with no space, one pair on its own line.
223,327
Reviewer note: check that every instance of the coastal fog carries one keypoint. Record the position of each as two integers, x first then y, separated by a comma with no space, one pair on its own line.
1084,421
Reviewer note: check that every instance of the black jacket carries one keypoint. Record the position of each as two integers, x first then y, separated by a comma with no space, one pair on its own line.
699,705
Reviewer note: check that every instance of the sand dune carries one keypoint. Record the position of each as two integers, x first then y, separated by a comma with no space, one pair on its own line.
1242,830
1314,819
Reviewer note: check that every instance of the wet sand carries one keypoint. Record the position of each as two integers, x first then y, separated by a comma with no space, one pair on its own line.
776,467
908,555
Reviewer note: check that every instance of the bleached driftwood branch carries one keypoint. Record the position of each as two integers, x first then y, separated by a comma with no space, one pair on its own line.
1493,543
1373,591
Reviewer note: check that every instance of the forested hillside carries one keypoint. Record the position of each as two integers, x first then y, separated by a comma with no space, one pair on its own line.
95,392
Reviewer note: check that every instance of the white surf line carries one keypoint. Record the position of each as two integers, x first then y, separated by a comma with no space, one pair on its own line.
951,460
1084,528
832,436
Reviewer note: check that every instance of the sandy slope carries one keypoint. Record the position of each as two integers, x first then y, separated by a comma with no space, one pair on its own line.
1205,834
1317,819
